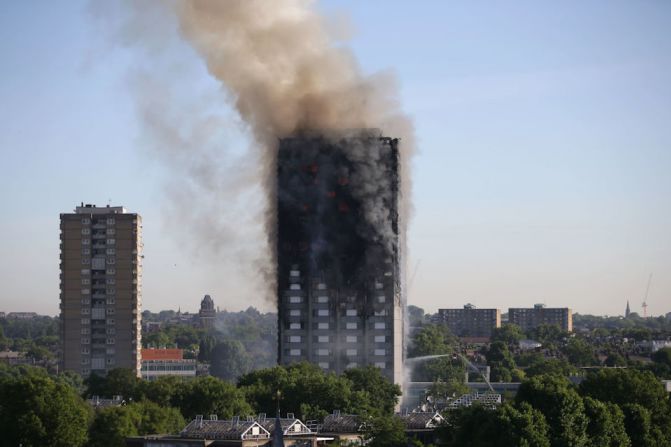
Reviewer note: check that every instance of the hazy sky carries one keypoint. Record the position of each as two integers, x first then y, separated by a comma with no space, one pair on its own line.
544,172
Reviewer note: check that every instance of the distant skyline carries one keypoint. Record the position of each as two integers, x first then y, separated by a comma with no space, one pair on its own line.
544,171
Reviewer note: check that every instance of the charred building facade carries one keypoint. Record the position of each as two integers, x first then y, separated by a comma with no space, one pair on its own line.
339,278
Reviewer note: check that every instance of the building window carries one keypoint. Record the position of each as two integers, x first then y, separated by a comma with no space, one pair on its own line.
110,321
97,363
86,310
350,326
350,312
378,285
110,281
380,313
111,251
350,339
322,338
322,325
111,261
295,339
110,331
294,352
322,299
351,352
86,241
322,312
86,261
85,291
110,300
322,352
111,241
294,273
111,231
380,325
85,350
110,340
295,313
381,299
111,271
85,321
85,360
86,231
110,311
381,365
98,313
85,331
295,287
380,352
294,325
86,301
86,251
110,221
86,221
110,351
86,272
295,299
86,341
380,339
323,365
351,365
86,281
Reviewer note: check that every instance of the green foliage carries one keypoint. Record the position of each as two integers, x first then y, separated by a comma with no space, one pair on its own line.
547,334
446,369
415,315
606,424
112,425
580,353
118,382
209,395
662,356
381,394
508,333
541,365
562,407
385,431
640,428
311,393
38,411
431,339
506,426
615,359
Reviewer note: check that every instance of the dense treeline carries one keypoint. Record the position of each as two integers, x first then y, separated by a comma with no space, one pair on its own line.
38,409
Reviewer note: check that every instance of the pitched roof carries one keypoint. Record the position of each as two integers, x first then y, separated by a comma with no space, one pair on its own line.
421,420
288,426
209,429
342,423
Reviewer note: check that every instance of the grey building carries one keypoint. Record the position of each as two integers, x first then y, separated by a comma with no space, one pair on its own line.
338,254
100,289
530,318
470,321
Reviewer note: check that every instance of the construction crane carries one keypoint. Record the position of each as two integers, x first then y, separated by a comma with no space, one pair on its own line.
645,298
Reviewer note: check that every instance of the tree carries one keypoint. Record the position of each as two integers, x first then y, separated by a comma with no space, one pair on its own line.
112,425
580,353
615,359
562,407
431,339
36,410
506,426
385,431
629,386
662,356
118,382
382,394
640,428
606,424
508,333
229,360
542,365
209,395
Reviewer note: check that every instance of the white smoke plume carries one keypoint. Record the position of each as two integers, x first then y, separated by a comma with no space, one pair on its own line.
282,71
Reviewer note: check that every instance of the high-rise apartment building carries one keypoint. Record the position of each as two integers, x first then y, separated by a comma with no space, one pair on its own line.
100,290
530,318
339,289
470,321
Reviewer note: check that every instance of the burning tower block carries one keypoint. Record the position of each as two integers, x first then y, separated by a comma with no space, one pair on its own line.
338,254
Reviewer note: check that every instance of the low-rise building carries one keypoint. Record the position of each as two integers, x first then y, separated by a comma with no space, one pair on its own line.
470,321
531,318
166,362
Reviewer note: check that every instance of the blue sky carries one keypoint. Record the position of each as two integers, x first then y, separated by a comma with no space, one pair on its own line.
543,173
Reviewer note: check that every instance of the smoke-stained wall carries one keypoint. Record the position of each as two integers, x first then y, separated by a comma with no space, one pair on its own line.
338,253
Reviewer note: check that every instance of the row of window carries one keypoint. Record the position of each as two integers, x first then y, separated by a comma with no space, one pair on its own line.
350,325
87,341
321,352
325,299
108,271
109,221
110,261
326,313
327,339
86,350
108,331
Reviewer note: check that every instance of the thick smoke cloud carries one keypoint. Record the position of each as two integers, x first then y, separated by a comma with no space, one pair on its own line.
284,73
